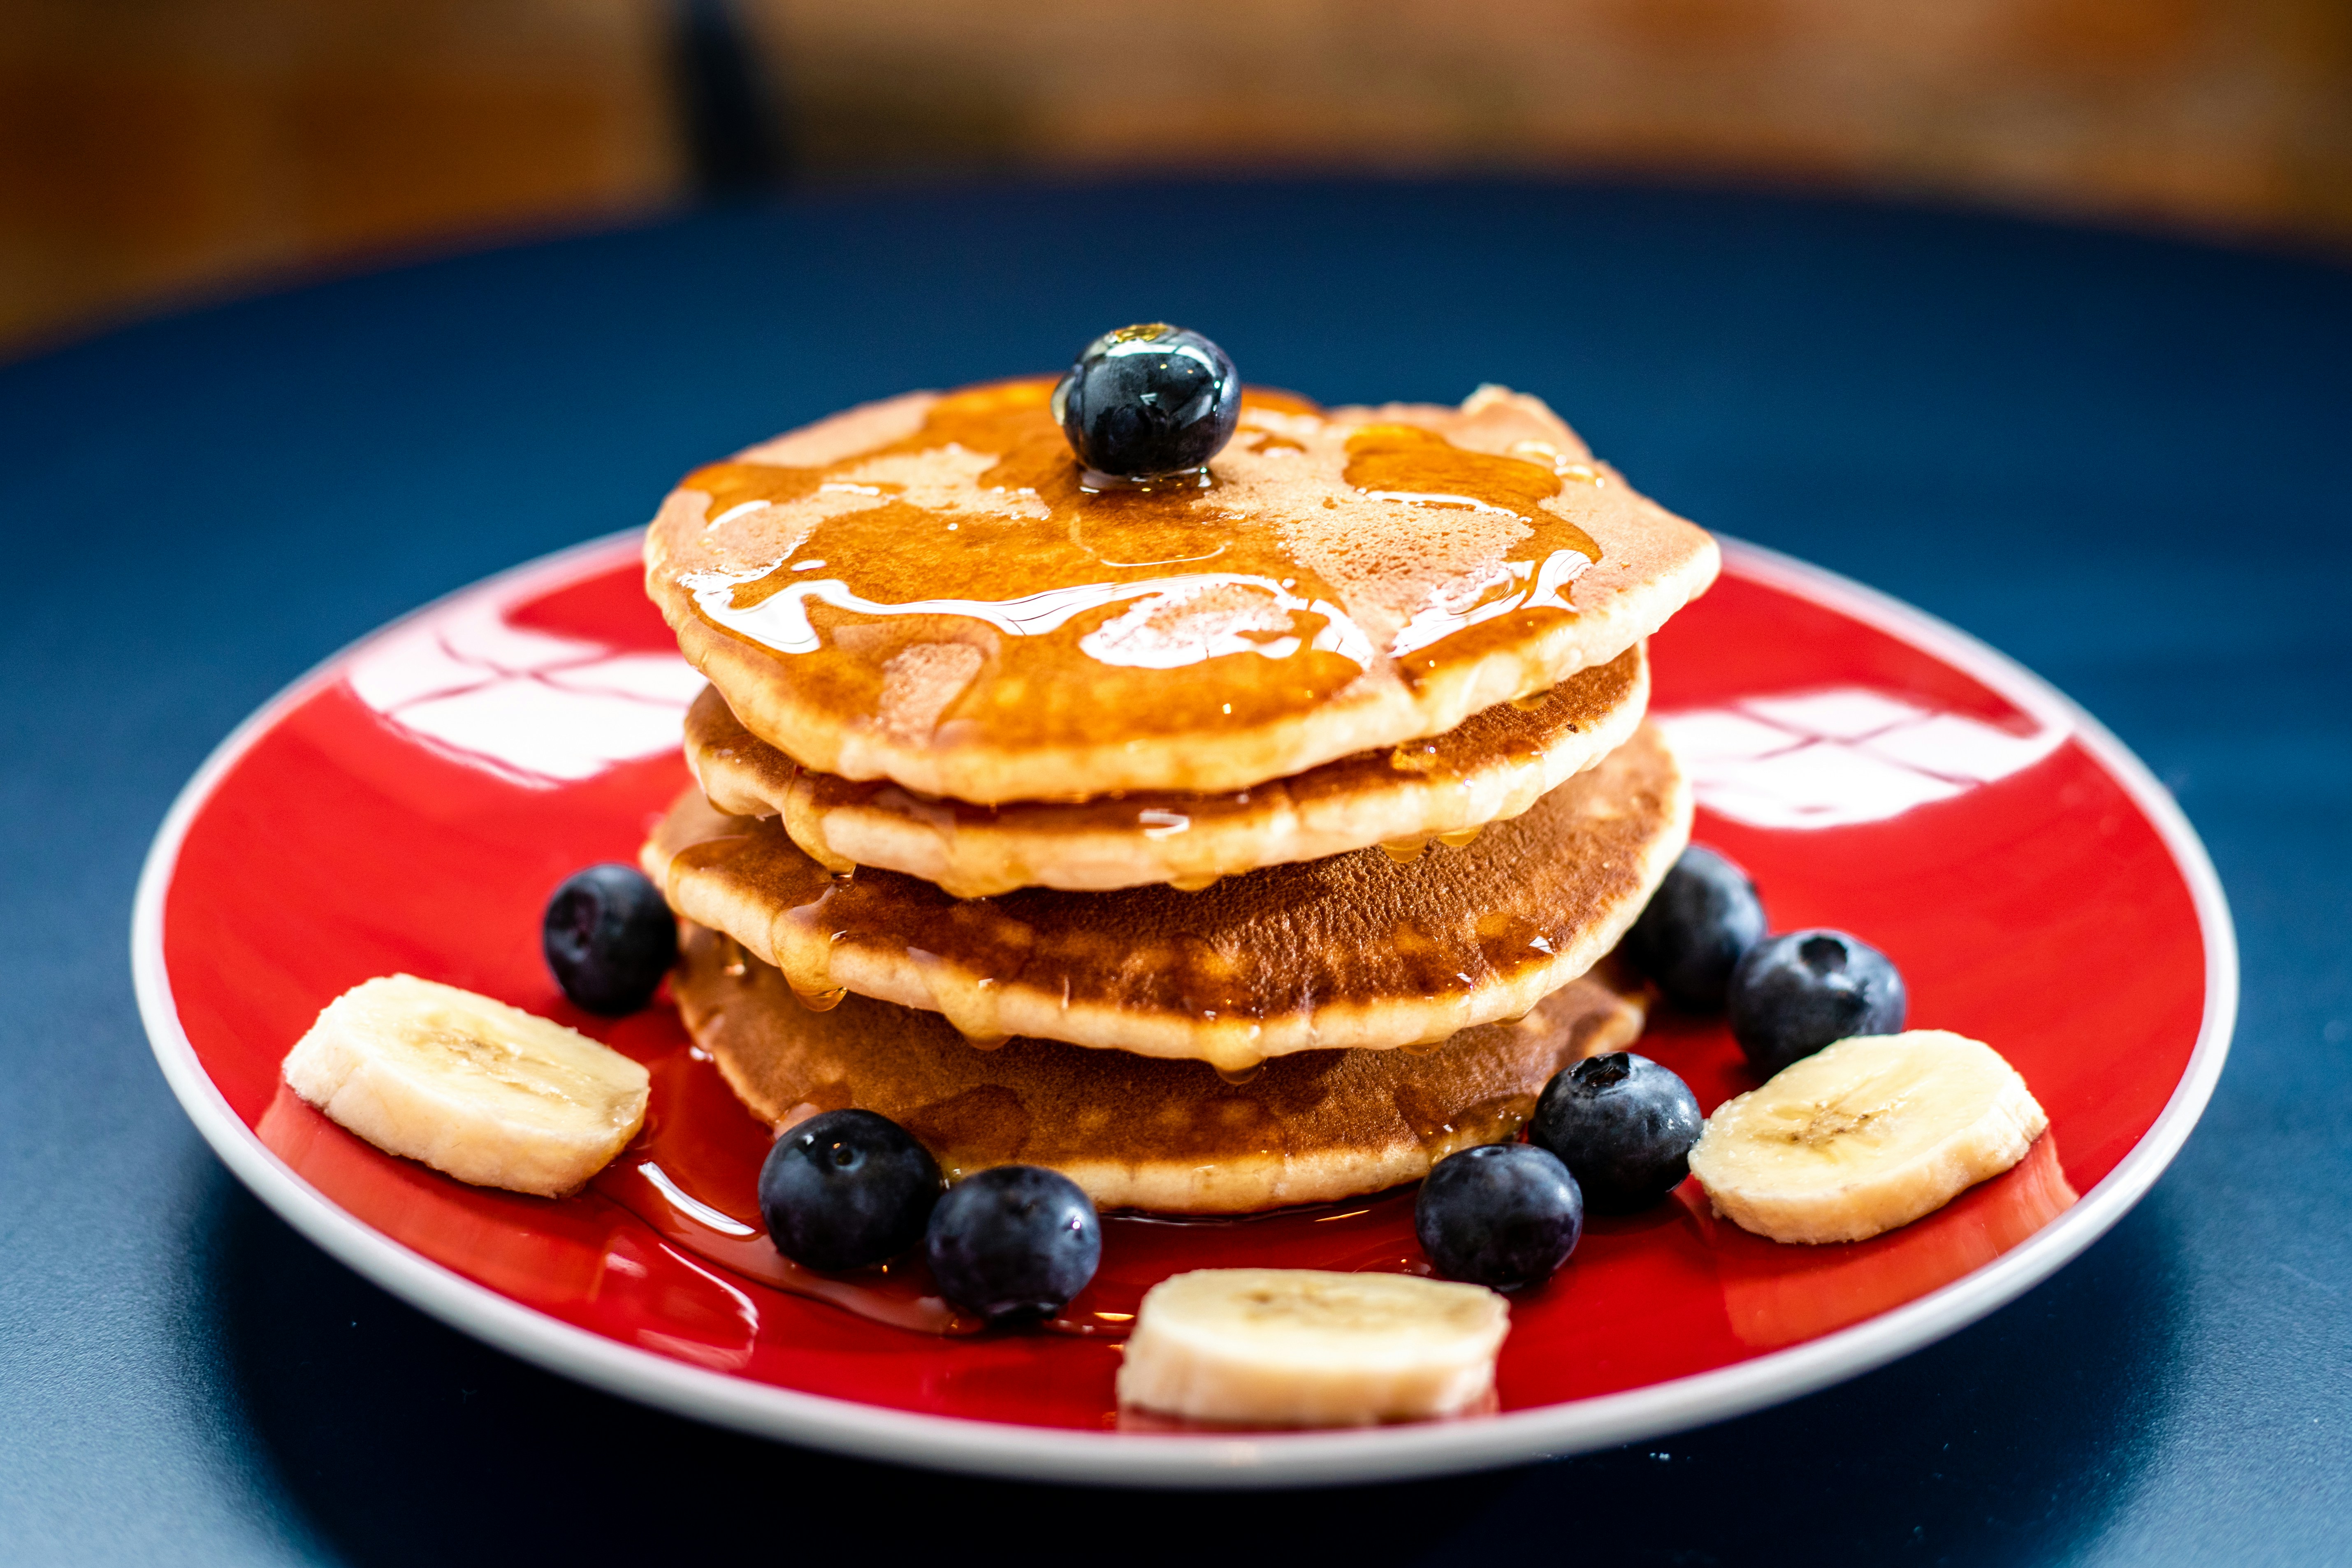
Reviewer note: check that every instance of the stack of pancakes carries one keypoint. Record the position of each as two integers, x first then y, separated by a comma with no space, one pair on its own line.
1246,840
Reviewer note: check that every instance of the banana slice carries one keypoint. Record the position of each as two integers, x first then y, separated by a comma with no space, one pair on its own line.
1300,1347
473,1088
1865,1135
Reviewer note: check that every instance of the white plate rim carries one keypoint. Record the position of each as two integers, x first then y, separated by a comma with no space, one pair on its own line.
1306,1458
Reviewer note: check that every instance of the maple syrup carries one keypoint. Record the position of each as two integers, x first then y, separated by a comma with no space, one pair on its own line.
966,585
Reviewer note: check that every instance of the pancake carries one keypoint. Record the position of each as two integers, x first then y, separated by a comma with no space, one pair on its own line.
1356,950
924,590
1493,765
1170,1136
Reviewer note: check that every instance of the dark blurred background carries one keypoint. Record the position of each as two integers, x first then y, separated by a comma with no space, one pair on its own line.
154,148
2114,459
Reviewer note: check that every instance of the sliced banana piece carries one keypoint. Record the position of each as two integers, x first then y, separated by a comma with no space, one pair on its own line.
1301,1347
1865,1135
473,1088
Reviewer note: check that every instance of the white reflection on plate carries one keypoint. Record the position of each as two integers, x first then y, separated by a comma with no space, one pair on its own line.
1843,755
529,705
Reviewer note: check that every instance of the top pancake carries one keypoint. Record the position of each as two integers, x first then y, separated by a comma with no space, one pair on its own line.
924,590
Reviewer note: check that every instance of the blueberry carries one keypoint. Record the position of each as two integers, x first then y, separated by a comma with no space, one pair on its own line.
1622,1125
1149,400
609,937
1701,919
1013,1241
1499,1214
846,1188
1793,995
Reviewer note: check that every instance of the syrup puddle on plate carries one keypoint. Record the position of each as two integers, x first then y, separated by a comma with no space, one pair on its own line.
692,1175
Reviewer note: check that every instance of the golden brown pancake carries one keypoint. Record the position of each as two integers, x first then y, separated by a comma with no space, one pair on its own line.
1356,950
926,590
1493,765
1136,1133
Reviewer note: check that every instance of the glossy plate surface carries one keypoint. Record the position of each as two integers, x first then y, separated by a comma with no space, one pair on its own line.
409,807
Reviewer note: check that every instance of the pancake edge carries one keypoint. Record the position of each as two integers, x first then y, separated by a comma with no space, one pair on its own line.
923,981
1250,1185
1405,807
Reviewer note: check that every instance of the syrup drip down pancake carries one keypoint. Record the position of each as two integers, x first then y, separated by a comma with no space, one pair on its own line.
1493,766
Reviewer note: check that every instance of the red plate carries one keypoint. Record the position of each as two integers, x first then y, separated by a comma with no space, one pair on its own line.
409,807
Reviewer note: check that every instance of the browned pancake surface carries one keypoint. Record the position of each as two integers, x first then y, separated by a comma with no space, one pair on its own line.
1357,949
1494,765
1137,1132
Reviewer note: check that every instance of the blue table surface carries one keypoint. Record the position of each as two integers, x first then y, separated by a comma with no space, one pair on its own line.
2125,461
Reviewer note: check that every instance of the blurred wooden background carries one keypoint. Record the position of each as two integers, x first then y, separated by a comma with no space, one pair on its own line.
153,148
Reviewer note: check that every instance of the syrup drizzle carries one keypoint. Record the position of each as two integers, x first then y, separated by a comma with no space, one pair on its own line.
1049,575
1409,466
944,581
